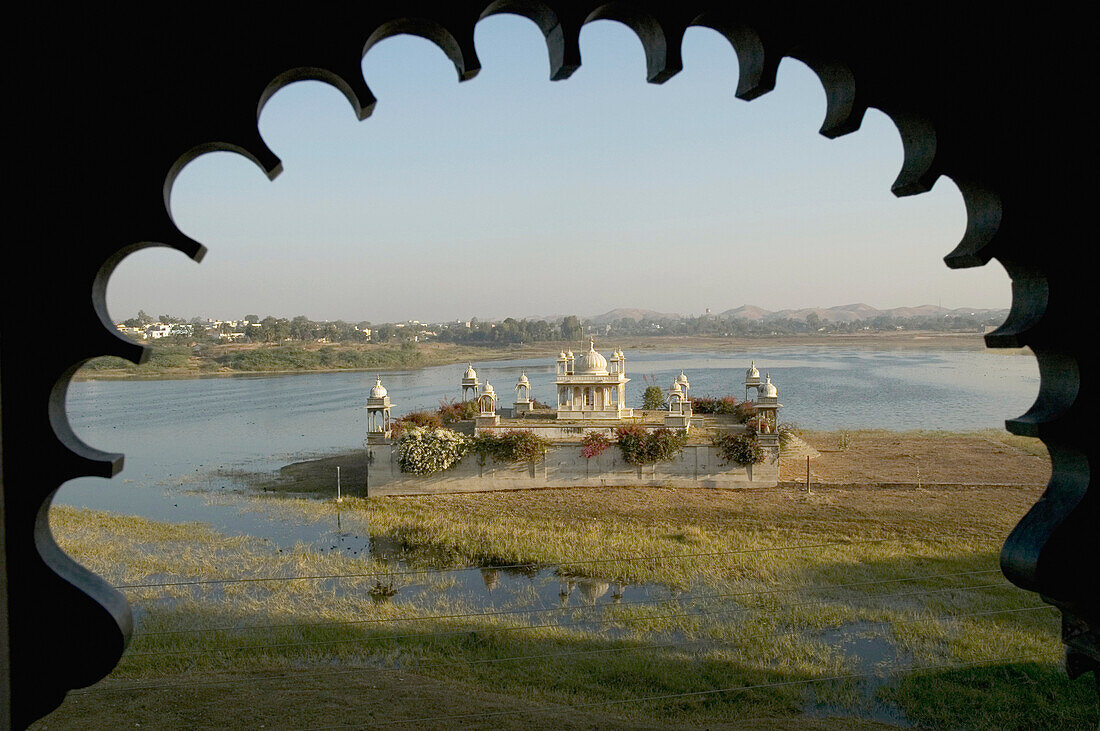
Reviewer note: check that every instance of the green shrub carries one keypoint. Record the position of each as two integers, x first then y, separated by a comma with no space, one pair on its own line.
653,398
786,432
422,451
106,362
510,447
641,447
272,359
742,449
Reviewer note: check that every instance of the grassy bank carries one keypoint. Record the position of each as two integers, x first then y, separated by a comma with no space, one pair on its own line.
179,361
778,591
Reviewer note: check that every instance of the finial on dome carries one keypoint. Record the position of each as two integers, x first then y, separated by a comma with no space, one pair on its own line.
379,391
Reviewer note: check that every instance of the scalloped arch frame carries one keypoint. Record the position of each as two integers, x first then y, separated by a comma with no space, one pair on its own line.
170,89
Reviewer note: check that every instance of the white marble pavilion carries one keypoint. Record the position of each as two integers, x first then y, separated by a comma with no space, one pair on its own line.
591,388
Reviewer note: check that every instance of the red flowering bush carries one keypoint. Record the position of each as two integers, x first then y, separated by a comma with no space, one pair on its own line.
712,405
451,412
745,411
594,444
423,419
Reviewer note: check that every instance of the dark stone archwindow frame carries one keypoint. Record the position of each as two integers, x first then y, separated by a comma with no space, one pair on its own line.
111,105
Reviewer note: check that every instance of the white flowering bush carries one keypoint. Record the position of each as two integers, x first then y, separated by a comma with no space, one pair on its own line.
422,451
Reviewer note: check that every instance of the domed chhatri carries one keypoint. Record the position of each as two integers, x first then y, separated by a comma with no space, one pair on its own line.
522,404
682,382
767,407
587,390
752,379
378,409
470,384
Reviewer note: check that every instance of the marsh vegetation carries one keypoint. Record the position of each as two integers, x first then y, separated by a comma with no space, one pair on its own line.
847,606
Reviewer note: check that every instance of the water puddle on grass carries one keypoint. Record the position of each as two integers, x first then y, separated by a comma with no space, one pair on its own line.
504,588
871,654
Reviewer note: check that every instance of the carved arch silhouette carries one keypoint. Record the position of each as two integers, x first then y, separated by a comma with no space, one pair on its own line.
111,106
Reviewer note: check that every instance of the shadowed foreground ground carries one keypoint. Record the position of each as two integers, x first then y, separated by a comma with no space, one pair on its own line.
908,574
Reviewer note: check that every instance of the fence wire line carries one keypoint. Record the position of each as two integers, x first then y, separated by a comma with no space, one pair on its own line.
602,620
552,656
526,565
896,670
344,623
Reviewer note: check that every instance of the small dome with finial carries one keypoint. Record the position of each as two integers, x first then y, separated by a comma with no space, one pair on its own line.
470,374
769,390
379,391
523,379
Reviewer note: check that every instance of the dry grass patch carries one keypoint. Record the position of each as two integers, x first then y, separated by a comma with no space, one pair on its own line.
880,457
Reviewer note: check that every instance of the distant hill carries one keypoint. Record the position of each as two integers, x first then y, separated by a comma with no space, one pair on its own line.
839,313
632,314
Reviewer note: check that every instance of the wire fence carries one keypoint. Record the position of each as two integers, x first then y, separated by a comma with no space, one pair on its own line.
526,565
708,642
543,610
518,628
381,652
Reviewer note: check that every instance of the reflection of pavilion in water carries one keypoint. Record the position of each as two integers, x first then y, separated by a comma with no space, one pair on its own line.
589,590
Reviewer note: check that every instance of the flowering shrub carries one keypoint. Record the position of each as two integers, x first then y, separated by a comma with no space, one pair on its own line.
712,405
594,444
744,411
451,412
742,449
510,447
424,419
424,451
642,447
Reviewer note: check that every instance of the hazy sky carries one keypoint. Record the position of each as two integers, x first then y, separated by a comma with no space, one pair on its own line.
513,195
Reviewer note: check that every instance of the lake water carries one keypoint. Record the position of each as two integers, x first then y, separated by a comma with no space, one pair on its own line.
175,433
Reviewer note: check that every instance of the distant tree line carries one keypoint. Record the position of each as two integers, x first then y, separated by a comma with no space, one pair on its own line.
711,325
253,329
511,331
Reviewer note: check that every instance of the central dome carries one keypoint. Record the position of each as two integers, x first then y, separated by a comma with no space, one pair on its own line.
592,362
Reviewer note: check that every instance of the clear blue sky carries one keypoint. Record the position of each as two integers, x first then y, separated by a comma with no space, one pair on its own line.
513,195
